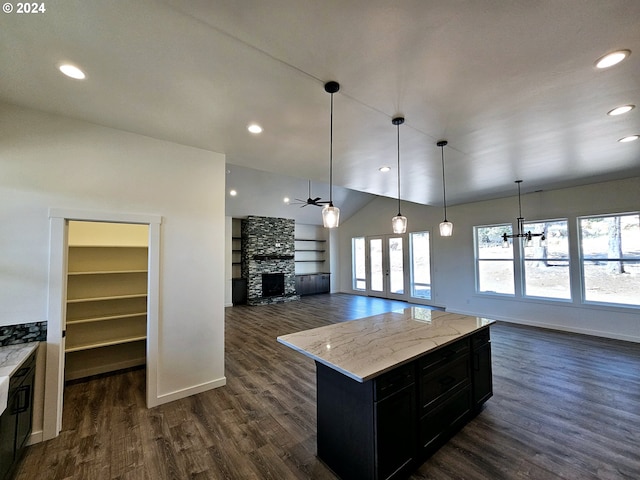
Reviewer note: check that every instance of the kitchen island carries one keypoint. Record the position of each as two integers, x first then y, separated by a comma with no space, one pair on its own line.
392,388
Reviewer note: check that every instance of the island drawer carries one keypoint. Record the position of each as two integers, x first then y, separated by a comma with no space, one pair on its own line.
435,384
444,355
443,421
393,381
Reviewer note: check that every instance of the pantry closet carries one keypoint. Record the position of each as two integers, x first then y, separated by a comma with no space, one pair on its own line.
106,302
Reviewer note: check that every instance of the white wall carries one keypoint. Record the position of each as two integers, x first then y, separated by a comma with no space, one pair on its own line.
49,161
453,258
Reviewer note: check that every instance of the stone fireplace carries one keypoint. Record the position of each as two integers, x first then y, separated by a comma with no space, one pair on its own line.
268,247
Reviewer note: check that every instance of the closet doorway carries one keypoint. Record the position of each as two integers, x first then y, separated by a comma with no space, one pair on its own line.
106,306
84,337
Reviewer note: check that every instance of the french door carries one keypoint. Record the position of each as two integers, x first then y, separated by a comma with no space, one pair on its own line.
387,256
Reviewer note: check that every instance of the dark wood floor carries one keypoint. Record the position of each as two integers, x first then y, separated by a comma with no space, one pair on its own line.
564,407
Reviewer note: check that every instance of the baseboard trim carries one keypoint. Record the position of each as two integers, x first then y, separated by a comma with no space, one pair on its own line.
551,326
187,392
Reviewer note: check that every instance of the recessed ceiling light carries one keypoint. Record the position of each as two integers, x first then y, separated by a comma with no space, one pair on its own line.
254,128
621,110
629,138
286,200
613,58
72,71
233,193
384,169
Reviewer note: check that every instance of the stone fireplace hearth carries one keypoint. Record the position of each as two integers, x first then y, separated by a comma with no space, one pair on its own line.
268,247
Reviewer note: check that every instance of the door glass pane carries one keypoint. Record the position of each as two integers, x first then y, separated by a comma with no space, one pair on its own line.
359,264
396,266
375,258
420,265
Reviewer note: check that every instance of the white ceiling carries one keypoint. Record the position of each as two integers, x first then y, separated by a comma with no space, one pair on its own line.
510,84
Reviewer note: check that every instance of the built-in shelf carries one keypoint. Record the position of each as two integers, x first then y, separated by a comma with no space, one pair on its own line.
107,272
309,261
101,299
309,240
106,343
105,318
308,250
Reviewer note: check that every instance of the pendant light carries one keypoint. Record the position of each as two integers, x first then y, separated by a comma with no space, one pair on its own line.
446,227
527,236
399,222
331,214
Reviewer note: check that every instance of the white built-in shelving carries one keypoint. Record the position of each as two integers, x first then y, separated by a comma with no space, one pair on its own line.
106,308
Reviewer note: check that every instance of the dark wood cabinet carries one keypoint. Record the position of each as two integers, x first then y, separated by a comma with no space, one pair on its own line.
16,420
481,368
7,442
239,291
367,430
385,427
395,413
313,283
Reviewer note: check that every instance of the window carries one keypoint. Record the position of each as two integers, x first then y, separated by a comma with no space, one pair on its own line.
494,263
546,264
359,273
610,258
420,265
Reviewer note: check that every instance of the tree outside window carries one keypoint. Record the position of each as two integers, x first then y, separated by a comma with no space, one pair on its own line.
546,264
610,257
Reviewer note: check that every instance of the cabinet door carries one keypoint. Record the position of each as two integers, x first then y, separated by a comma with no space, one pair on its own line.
396,433
24,412
482,376
324,283
7,439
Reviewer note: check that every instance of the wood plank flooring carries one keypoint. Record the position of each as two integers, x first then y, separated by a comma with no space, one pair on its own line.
564,407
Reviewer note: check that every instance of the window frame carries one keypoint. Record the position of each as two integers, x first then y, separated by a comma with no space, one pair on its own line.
583,260
509,229
523,263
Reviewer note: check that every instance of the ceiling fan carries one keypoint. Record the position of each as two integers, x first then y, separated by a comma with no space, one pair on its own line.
309,201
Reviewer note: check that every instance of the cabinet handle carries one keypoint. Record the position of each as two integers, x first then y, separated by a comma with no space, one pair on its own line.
23,396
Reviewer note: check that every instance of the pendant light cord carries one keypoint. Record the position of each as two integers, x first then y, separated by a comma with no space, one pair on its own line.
444,187
331,157
519,202
520,219
398,130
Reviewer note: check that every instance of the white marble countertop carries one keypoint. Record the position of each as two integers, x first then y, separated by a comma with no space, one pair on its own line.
363,349
11,359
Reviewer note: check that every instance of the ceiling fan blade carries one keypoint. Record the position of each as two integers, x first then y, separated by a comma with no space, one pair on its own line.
316,199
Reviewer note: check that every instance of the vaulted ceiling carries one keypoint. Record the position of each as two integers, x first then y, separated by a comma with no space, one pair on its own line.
510,84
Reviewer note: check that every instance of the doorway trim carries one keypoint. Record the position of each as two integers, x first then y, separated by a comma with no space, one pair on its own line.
58,243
